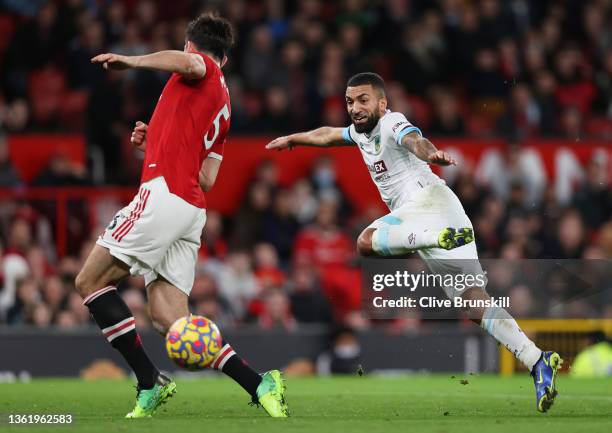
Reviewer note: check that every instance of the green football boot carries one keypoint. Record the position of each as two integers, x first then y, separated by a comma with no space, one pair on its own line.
148,400
271,394
450,238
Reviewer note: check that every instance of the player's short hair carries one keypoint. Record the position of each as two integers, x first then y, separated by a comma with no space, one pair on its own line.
211,33
365,78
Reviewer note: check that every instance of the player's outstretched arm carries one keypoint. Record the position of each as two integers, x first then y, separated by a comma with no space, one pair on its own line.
425,150
189,65
326,136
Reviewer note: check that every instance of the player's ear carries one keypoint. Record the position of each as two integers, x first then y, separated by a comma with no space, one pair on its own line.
382,103
223,61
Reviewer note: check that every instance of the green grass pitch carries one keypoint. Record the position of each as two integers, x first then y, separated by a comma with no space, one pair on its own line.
439,403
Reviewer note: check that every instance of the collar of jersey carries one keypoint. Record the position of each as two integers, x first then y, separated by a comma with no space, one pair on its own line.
376,129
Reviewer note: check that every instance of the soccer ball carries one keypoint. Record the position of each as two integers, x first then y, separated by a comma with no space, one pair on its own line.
193,342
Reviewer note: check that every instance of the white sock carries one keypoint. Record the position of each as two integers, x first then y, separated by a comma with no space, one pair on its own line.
502,326
402,238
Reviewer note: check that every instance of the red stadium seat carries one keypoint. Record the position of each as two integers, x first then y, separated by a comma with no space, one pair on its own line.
342,288
46,88
579,95
479,126
73,109
600,127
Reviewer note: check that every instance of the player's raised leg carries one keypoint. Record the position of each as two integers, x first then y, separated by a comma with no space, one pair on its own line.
503,327
399,233
95,282
167,304
400,238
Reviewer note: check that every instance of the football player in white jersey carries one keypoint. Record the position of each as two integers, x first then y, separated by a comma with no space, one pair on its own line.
426,216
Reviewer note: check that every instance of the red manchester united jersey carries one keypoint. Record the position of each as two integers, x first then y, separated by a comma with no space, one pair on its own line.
190,123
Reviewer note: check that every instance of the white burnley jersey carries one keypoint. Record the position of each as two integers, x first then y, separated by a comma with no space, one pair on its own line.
397,172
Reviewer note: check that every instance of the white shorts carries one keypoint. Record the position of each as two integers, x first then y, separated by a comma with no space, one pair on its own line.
157,234
436,207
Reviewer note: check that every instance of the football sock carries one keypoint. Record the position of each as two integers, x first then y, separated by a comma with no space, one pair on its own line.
398,237
235,367
118,326
502,326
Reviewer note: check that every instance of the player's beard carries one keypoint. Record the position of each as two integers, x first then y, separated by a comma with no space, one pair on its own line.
366,127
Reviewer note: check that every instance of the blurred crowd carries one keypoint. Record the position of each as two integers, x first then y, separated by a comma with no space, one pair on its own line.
516,68
488,68
288,256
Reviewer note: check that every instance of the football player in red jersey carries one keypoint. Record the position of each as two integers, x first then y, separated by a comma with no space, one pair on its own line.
158,234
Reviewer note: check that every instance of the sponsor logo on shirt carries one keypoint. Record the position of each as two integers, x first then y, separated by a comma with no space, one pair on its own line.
380,167
398,124
379,171
382,178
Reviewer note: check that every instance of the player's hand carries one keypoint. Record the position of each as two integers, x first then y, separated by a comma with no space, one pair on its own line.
139,135
113,61
280,143
441,157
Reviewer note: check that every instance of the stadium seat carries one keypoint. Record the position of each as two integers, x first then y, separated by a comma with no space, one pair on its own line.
579,95
46,88
599,127
73,109
479,126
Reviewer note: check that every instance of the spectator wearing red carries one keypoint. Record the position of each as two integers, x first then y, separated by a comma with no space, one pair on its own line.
276,312
267,270
323,244
575,88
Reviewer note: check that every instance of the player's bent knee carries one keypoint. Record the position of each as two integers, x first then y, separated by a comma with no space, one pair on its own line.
364,242
86,283
82,284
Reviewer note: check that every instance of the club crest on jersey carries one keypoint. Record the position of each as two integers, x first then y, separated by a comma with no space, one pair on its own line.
380,167
377,144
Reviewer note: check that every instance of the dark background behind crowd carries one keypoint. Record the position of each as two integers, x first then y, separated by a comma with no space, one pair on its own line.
513,69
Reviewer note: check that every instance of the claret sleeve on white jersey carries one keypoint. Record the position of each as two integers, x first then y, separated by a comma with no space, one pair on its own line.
396,125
